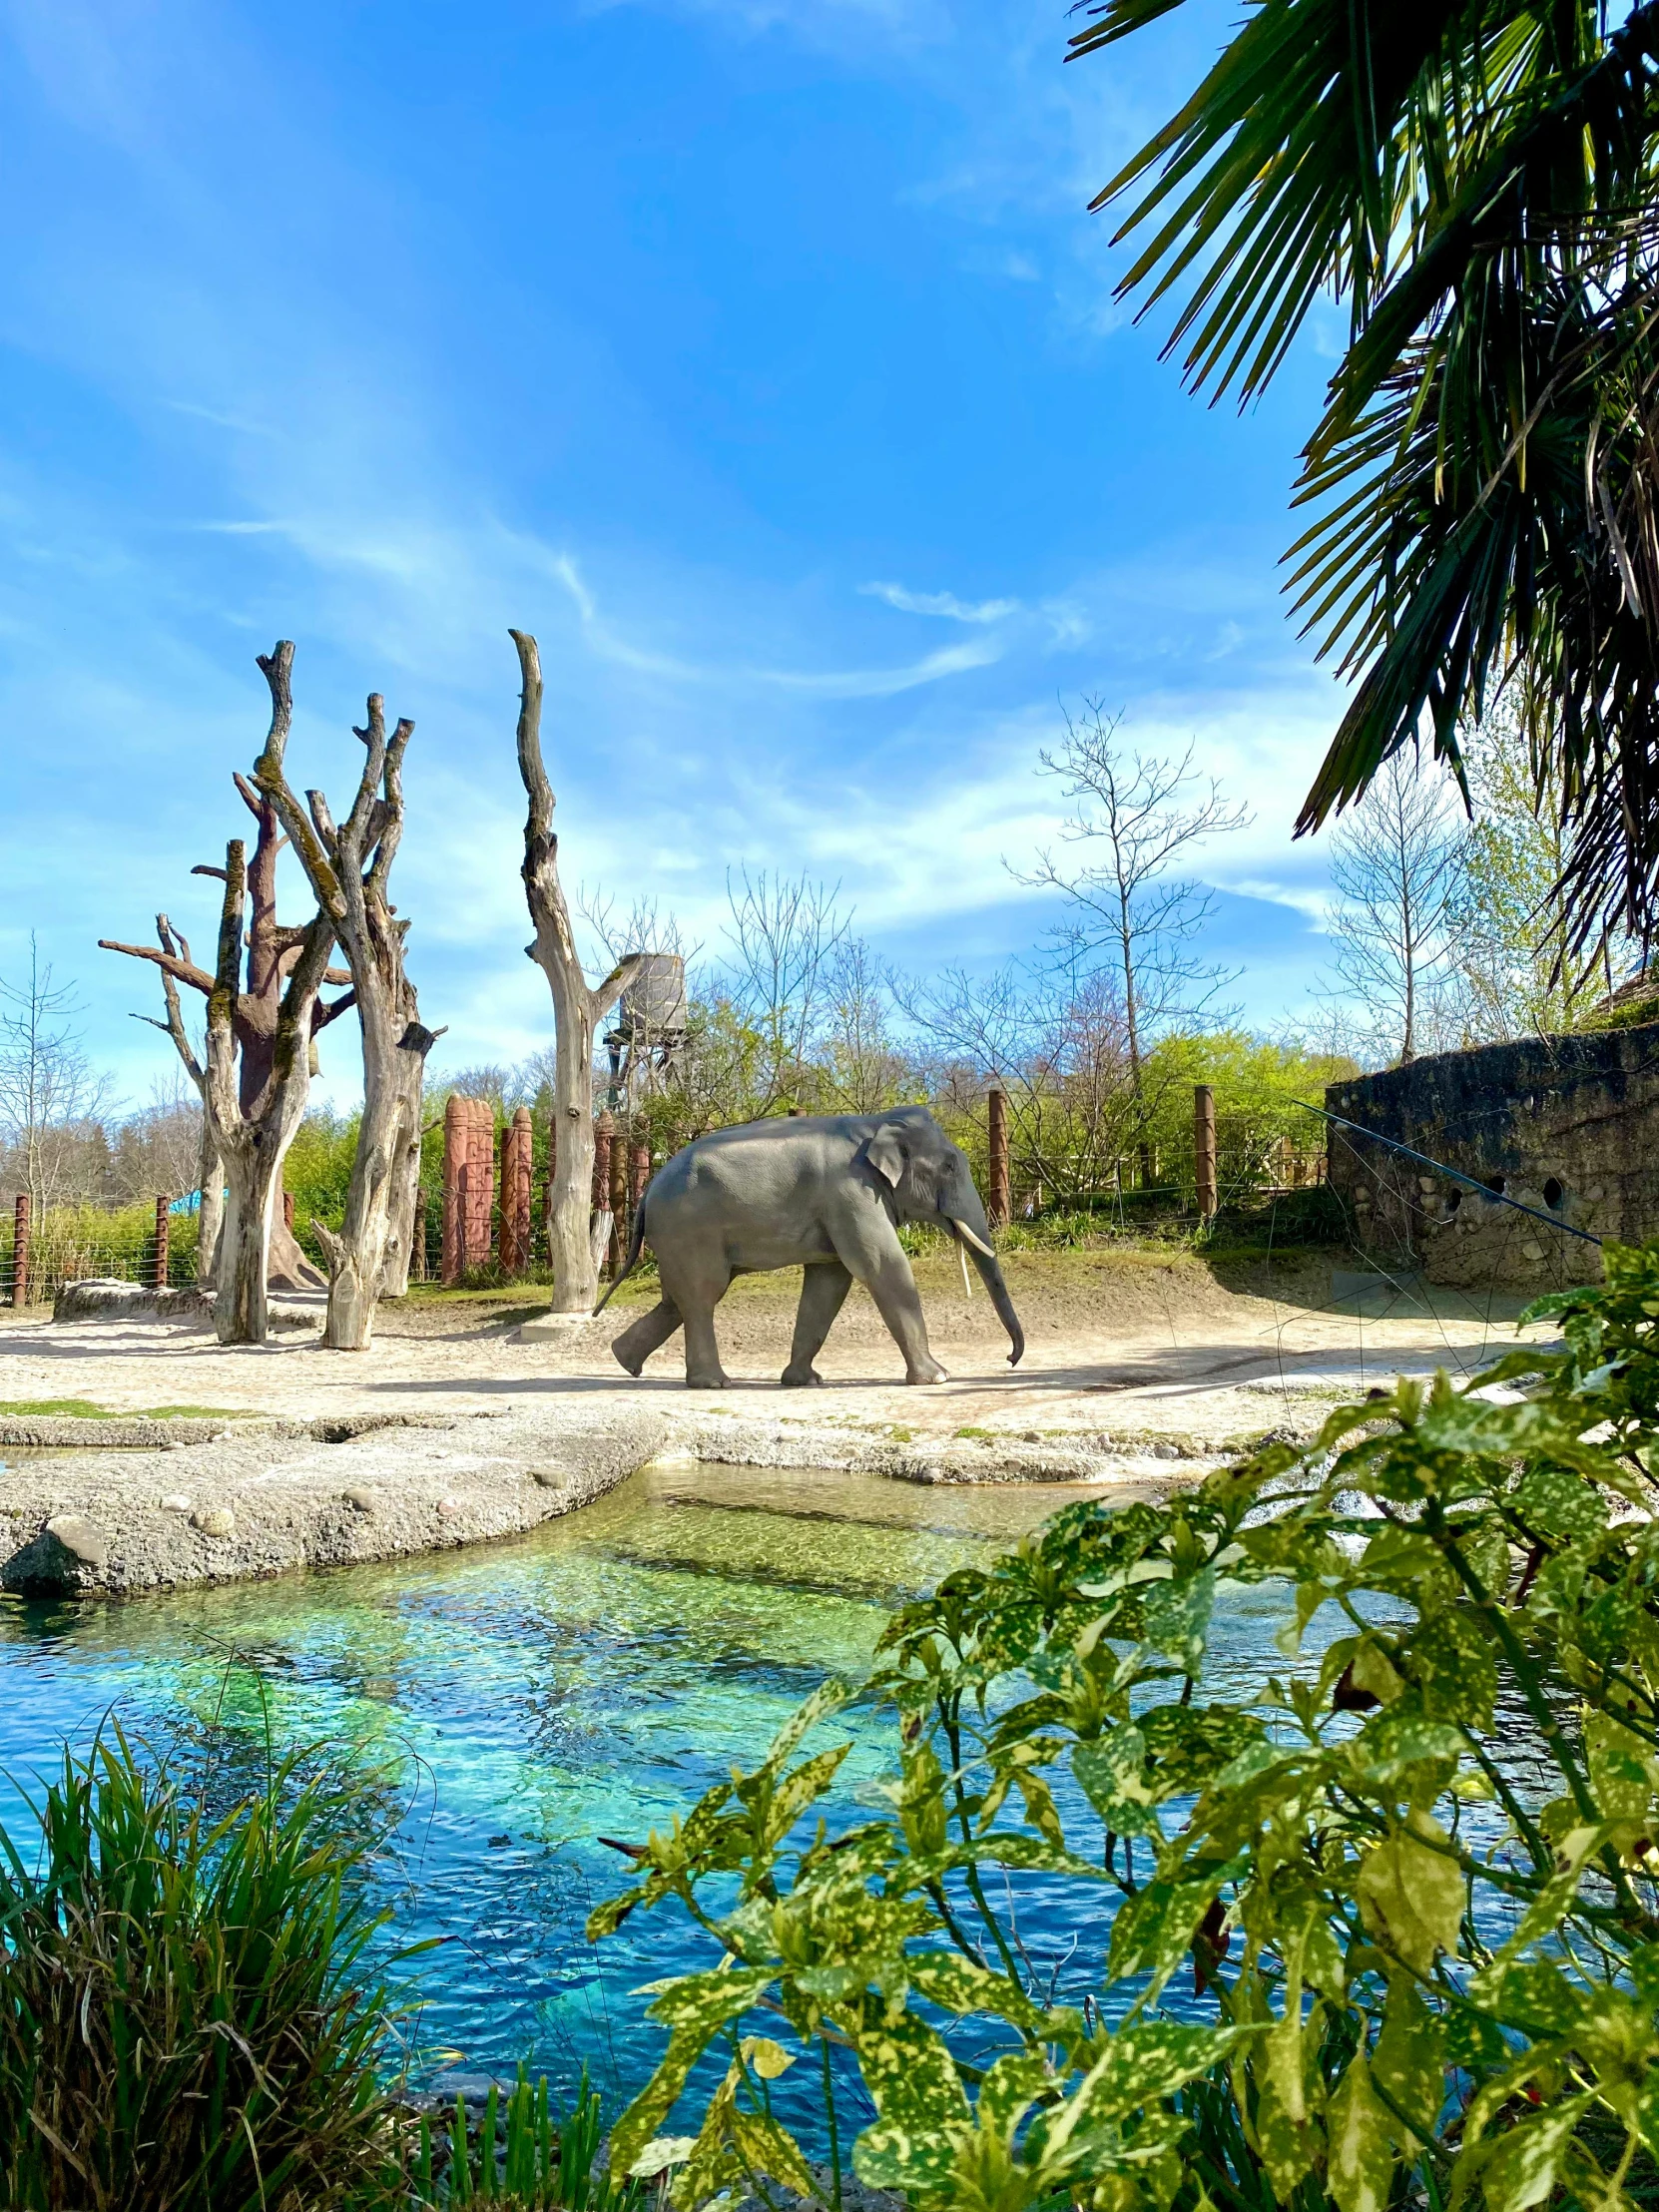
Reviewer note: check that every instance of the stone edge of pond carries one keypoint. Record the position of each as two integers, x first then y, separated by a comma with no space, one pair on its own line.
168,1504
146,1432
248,1504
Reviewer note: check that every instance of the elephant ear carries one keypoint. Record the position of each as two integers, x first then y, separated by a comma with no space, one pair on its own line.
883,1154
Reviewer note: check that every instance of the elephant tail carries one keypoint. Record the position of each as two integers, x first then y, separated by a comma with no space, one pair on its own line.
636,1244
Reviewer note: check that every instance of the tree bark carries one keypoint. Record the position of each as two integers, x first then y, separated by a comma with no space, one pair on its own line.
348,867
576,1009
211,1220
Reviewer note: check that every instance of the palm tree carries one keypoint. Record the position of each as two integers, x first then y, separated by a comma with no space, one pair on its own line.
1480,180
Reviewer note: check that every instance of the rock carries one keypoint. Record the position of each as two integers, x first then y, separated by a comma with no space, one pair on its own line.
550,1478
449,1507
213,1521
361,1500
103,1298
176,1503
83,1539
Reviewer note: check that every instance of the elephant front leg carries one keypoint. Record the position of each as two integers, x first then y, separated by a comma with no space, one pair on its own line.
824,1289
647,1335
871,1251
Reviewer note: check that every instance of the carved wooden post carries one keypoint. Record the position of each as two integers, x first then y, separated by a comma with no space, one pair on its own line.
1000,1205
604,1136
162,1223
618,1199
639,1174
480,1185
456,1130
20,1250
515,1193
603,1131
1204,1148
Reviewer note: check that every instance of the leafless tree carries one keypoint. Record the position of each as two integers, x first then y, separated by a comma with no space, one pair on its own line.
1394,869
783,936
1141,815
158,1149
49,1092
861,1066
273,949
578,1008
348,867
252,1143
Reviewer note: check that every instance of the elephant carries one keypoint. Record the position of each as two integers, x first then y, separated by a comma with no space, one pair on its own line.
825,1192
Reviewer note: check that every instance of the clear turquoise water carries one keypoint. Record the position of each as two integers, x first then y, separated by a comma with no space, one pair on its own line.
588,1681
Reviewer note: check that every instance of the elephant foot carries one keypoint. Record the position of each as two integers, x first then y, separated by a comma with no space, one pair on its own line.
715,1382
932,1373
801,1378
636,1368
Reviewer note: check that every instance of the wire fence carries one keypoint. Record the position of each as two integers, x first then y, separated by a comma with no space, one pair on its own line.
74,1243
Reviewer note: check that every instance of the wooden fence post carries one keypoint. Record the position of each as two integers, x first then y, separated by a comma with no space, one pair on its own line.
1001,1203
422,1227
457,1129
1204,1148
20,1250
163,1225
639,1174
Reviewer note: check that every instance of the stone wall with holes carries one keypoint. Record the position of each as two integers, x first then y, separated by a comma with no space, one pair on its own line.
1567,1125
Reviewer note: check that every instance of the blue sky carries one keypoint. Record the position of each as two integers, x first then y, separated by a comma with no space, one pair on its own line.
762,361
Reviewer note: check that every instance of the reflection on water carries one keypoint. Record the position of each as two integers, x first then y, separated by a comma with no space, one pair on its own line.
589,1680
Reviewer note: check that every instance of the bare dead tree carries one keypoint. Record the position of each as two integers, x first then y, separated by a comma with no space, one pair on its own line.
1134,810
273,949
252,1143
578,1008
348,867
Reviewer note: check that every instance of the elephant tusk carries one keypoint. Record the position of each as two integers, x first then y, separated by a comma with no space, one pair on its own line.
961,1261
962,1229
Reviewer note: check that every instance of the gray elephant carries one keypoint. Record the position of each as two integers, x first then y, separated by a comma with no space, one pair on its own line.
823,1193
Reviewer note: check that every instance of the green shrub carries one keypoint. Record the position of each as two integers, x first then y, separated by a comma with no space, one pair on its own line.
1379,1928
183,2018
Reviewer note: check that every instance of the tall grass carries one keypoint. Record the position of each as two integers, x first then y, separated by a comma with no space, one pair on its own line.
186,2020
191,2019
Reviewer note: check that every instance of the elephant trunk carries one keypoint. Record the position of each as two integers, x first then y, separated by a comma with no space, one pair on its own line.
974,1237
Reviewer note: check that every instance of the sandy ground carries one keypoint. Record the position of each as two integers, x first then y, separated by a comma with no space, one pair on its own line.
1125,1346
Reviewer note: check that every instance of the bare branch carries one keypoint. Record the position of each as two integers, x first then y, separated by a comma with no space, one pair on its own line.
183,970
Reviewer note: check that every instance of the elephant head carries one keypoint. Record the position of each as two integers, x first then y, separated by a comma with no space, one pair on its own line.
930,1180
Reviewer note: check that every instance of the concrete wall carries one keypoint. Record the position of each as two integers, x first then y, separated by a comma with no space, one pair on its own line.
1570,1125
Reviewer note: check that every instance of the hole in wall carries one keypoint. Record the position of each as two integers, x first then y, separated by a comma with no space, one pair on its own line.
1497,1185
1454,1201
1553,1194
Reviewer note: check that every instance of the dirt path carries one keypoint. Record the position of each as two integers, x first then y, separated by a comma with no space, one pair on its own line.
1120,1345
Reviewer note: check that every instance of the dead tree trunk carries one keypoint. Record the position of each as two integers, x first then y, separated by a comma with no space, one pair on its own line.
273,949
251,1145
211,1220
576,1009
349,865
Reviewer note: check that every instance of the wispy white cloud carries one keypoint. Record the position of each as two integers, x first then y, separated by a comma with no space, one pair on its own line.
943,602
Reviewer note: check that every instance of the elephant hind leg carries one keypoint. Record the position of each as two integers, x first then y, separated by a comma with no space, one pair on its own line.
647,1335
823,1287
693,1292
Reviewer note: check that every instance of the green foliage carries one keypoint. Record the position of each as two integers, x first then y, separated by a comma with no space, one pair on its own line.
523,2158
183,2021
1479,178
1413,1873
319,1168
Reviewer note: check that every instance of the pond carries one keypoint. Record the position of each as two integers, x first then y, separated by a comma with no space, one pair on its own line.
588,1681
